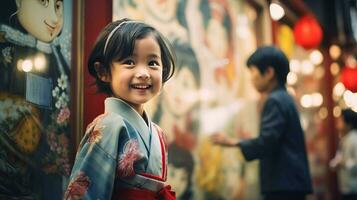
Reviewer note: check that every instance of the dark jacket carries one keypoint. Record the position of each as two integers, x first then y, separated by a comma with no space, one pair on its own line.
280,147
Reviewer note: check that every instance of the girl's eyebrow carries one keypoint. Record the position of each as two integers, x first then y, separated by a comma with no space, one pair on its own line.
149,56
154,56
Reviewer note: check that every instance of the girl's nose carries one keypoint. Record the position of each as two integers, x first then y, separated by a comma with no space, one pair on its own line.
142,74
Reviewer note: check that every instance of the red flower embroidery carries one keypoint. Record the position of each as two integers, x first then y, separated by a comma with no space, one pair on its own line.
130,155
95,136
77,187
95,121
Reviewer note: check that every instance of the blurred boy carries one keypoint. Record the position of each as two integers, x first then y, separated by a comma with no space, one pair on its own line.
280,146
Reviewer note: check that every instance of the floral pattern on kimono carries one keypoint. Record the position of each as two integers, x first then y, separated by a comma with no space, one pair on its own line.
120,149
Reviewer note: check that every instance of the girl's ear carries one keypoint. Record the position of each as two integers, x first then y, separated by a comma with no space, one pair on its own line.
102,73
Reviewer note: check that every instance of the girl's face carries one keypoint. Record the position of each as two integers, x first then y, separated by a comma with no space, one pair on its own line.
181,92
138,78
41,18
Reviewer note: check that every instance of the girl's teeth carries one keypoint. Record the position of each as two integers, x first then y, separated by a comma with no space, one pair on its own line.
140,86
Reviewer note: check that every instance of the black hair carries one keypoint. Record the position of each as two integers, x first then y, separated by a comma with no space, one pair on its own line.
270,56
186,57
7,9
121,45
8,15
180,157
350,117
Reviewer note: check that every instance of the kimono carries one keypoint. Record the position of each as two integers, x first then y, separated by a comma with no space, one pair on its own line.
121,156
34,117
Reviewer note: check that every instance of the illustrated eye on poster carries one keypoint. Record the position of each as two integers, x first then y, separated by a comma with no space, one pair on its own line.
35,98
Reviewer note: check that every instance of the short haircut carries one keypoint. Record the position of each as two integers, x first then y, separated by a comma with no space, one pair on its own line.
270,56
350,117
121,45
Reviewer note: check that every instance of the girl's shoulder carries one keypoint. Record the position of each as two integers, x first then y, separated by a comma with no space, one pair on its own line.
107,119
105,126
104,132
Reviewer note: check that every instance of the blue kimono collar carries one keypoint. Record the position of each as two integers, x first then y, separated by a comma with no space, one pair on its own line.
128,113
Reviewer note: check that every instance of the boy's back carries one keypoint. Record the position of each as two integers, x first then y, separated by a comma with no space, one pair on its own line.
283,165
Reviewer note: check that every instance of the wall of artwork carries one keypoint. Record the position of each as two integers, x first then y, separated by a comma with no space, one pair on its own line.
35,98
209,93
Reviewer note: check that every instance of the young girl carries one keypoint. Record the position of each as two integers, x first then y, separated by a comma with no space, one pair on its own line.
123,154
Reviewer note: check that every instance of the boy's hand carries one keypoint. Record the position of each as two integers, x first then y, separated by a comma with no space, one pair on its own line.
336,161
224,140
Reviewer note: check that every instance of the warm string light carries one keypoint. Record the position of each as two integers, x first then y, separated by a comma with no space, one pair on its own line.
38,63
311,100
335,52
276,11
316,57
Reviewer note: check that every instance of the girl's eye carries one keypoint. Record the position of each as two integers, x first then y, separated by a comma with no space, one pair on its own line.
128,62
154,64
44,2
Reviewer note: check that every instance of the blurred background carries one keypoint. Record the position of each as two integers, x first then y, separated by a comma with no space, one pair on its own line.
210,92
215,95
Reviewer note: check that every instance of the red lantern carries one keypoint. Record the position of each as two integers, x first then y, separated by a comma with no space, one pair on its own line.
349,78
307,32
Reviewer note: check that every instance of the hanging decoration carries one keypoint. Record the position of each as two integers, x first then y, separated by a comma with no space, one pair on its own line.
348,78
285,39
308,32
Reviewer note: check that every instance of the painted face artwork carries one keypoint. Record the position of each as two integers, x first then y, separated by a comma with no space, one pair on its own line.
181,92
217,38
138,78
178,178
41,18
165,10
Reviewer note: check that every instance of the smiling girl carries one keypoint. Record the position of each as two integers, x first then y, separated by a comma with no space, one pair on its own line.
123,154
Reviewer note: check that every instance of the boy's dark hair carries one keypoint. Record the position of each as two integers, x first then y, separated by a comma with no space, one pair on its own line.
121,45
350,117
270,56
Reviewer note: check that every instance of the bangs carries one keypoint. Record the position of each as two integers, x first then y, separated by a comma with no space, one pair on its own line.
122,43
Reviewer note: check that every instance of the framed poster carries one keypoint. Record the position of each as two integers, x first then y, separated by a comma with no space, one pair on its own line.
36,104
